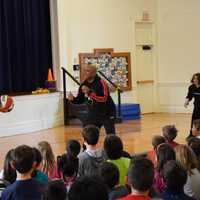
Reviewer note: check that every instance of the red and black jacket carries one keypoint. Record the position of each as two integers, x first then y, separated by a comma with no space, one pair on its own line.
102,103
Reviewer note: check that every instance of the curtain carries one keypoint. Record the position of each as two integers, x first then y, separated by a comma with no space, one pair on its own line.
25,44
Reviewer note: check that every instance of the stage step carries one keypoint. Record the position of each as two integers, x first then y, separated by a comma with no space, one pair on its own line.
130,111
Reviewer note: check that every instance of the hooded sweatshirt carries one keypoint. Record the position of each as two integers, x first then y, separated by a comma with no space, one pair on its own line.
90,161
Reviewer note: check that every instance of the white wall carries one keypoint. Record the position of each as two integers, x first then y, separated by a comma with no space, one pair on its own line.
178,50
88,24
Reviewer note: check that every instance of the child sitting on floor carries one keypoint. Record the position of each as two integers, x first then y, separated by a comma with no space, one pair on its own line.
140,177
169,133
113,147
151,154
37,173
49,165
110,176
196,128
25,187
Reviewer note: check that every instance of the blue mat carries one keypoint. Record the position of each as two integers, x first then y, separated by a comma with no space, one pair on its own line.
130,111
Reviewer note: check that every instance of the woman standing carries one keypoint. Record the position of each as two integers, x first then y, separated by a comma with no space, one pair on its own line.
194,92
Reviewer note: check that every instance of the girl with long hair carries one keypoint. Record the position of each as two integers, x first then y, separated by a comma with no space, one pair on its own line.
49,166
188,160
9,173
164,154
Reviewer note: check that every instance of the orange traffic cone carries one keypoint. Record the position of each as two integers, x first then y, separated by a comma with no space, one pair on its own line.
50,76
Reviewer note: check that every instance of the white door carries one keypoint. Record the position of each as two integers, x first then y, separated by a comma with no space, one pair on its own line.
145,77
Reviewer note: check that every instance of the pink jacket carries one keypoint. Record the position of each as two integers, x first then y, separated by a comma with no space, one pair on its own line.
158,184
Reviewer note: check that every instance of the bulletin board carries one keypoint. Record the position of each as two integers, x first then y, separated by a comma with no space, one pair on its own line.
116,66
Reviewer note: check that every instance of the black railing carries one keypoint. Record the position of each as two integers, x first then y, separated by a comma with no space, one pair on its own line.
65,100
65,97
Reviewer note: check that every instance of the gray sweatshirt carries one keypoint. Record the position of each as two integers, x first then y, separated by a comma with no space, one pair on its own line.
90,161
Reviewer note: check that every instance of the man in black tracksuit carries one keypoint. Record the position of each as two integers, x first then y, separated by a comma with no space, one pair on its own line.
101,106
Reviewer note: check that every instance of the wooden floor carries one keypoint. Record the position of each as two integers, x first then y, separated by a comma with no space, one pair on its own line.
136,135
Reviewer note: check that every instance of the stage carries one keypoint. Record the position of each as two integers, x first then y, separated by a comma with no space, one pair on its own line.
136,134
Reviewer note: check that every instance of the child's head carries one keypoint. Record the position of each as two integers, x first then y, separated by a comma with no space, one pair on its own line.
73,148
194,144
109,174
169,132
196,127
88,188
175,175
37,157
141,174
186,157
23,159
55,190
68,167
9,173
164,154
47,155
157,140
113,147
90,135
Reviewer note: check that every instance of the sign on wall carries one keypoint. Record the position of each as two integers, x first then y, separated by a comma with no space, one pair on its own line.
115,66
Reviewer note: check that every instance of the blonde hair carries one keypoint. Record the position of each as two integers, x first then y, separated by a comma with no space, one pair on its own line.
48,164
186,157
